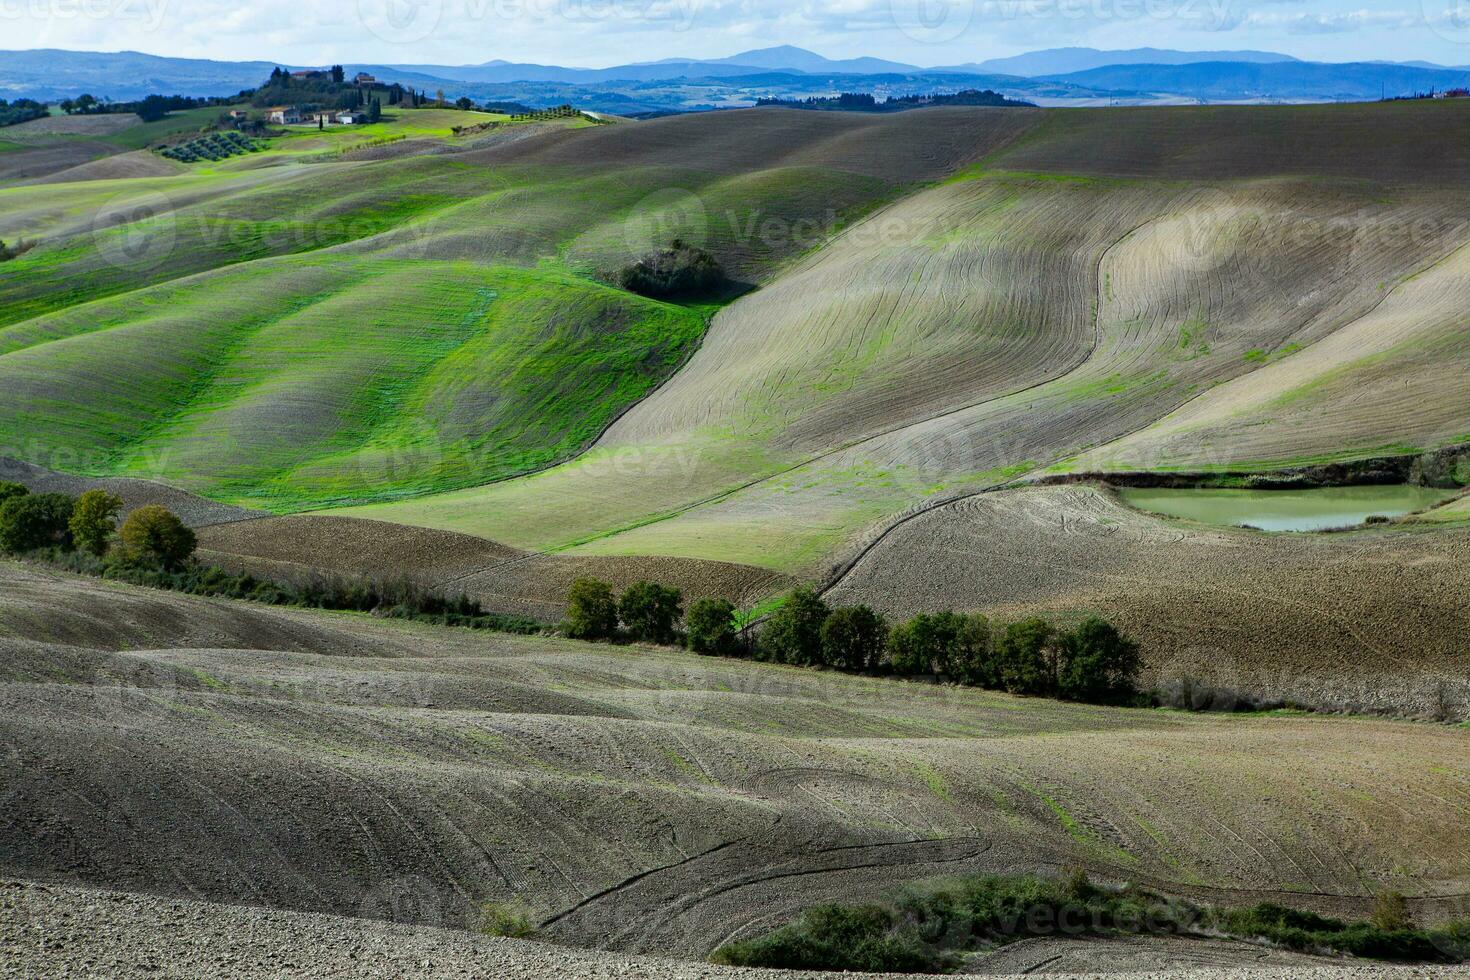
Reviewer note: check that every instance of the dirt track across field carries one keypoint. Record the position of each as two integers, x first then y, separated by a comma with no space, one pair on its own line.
1371,620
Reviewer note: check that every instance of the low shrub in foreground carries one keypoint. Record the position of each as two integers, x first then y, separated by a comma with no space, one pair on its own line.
863,939
926,927
508,919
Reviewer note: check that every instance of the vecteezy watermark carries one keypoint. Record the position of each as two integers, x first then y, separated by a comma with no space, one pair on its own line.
1450,19
932,21
150,13
665,215
411,21
135,231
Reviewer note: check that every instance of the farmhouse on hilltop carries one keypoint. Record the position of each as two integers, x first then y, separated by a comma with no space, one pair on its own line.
284,115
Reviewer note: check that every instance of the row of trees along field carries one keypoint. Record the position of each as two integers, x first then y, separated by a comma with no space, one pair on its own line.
1091,662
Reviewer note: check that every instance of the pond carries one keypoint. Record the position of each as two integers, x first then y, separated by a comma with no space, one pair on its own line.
1286,510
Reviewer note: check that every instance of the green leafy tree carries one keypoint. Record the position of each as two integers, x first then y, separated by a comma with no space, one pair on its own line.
793,635
592,610
649,611
35,520
925,644
1026,658
154,533
464,102
854,638
94,519
710,625
9,490
338,75
973,661
1096,663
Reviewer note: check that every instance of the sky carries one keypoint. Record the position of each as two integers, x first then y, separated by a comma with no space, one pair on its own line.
597,33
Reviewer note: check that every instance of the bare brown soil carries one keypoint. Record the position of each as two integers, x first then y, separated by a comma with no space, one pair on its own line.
194,510
1364,620
49,931
1238,142
901,147
646,800
290,547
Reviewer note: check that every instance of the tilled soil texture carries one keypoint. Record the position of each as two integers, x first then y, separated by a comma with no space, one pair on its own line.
1369,620
502,579
192,509
49,931
647,800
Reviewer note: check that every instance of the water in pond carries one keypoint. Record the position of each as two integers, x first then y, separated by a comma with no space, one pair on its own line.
1286,510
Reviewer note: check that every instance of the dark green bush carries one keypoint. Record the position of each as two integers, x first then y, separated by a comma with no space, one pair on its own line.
94,519
677,271
973,660
9,490
1026,658
36,520
710,626
924,644
854,638
650,611
154,533
1096,663
864,939
592,610
793,634
1308,932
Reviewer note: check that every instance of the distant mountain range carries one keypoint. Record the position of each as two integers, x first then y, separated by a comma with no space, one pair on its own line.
1076,76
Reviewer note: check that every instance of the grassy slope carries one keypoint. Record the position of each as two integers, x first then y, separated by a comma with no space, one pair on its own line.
349,331
999,324
1060,295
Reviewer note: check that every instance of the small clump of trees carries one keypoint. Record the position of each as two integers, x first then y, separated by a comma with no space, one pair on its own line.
153,547
58,524
1092,662
679,271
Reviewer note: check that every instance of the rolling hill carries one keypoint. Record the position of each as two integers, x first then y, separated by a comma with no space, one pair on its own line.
402,350
645,800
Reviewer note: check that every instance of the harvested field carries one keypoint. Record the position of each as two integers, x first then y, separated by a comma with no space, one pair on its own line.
1011,323
193,510
642,799
41,130
477,272
49,929
905,147
1364,620
123,166
537,585
1235,142
306,545
39,160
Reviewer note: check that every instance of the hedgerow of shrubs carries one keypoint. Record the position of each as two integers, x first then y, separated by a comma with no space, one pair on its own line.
152,547
1092,662
926,927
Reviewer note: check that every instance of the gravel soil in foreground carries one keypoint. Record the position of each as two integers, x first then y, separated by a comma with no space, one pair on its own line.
50,931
